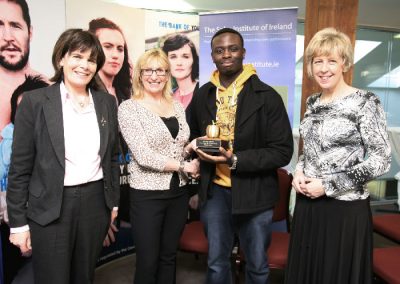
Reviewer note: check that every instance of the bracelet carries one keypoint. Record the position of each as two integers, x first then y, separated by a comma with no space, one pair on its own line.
233,162
185,154
181,166
181,170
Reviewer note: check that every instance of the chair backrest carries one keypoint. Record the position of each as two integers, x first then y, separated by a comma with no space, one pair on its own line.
281,210
387,225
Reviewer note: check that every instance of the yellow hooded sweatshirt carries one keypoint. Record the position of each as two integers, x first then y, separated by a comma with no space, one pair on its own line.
226,113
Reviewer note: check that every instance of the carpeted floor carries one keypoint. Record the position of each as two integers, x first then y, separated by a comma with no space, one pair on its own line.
190,270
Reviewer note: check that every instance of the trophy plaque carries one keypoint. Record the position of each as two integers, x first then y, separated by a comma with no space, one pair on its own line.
212,143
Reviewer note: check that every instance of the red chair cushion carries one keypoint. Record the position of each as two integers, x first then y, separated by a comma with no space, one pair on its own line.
388,225
278,250
193,238
386,264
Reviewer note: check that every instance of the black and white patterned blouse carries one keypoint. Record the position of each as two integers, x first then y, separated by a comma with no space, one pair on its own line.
345,143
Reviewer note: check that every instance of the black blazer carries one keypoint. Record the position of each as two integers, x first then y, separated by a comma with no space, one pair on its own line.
263,142
36,176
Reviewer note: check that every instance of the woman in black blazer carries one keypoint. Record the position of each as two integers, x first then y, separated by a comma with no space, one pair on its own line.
64,175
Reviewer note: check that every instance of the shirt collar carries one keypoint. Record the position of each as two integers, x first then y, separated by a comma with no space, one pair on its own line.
65,95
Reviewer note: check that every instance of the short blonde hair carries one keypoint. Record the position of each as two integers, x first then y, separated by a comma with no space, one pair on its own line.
151,55
326,42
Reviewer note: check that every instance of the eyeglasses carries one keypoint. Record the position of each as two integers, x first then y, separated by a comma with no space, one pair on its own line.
159,72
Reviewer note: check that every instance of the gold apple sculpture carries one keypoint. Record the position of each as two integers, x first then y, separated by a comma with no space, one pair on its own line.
212,130
212,143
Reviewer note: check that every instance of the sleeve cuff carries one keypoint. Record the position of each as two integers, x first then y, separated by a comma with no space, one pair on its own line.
115,208
19,229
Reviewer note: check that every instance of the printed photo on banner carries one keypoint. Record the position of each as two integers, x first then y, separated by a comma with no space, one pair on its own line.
25,63
113,25
270,42
178,36
26,43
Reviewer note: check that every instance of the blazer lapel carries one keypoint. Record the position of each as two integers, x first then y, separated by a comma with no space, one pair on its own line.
100,106
54,120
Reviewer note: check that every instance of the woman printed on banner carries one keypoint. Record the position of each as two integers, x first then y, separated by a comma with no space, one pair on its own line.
115,75
115,78
345,146
63,185
184,61
155,129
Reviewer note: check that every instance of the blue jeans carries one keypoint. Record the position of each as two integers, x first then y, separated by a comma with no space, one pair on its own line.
254,231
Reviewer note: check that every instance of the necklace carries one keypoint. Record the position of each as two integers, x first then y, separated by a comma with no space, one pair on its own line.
81,101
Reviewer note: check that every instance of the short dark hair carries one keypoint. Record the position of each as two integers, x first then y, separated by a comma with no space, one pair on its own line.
178,41
25,10
72,40
30,83
228,30
122,80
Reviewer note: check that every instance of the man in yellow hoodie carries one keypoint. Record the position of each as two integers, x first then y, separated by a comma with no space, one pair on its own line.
239,187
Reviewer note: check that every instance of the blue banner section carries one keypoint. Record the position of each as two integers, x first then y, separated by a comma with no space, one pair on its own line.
270,42
123,245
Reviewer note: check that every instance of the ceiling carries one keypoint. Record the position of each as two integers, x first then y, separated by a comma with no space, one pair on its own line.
371,13
374,14
379,14
382,14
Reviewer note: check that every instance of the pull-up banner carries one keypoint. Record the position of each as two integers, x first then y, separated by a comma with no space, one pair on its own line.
270,42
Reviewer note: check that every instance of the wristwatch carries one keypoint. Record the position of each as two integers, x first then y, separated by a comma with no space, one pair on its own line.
233,162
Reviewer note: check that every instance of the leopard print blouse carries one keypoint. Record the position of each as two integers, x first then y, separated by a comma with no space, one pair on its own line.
151,144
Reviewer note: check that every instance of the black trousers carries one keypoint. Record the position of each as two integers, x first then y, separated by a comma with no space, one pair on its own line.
157,218
66,250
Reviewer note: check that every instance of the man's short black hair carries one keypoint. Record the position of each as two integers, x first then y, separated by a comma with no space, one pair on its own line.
30,83
228,30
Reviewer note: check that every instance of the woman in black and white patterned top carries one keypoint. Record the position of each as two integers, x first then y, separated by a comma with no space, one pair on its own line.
345,146
155,129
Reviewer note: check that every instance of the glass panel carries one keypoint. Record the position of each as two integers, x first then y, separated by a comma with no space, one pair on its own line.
378,71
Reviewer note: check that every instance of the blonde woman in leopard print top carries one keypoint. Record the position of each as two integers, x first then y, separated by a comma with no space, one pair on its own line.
155,129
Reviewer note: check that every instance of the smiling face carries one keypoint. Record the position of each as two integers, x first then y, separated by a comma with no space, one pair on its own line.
327,70
78,69
154,84
228,54
181,61
14,37
112,43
